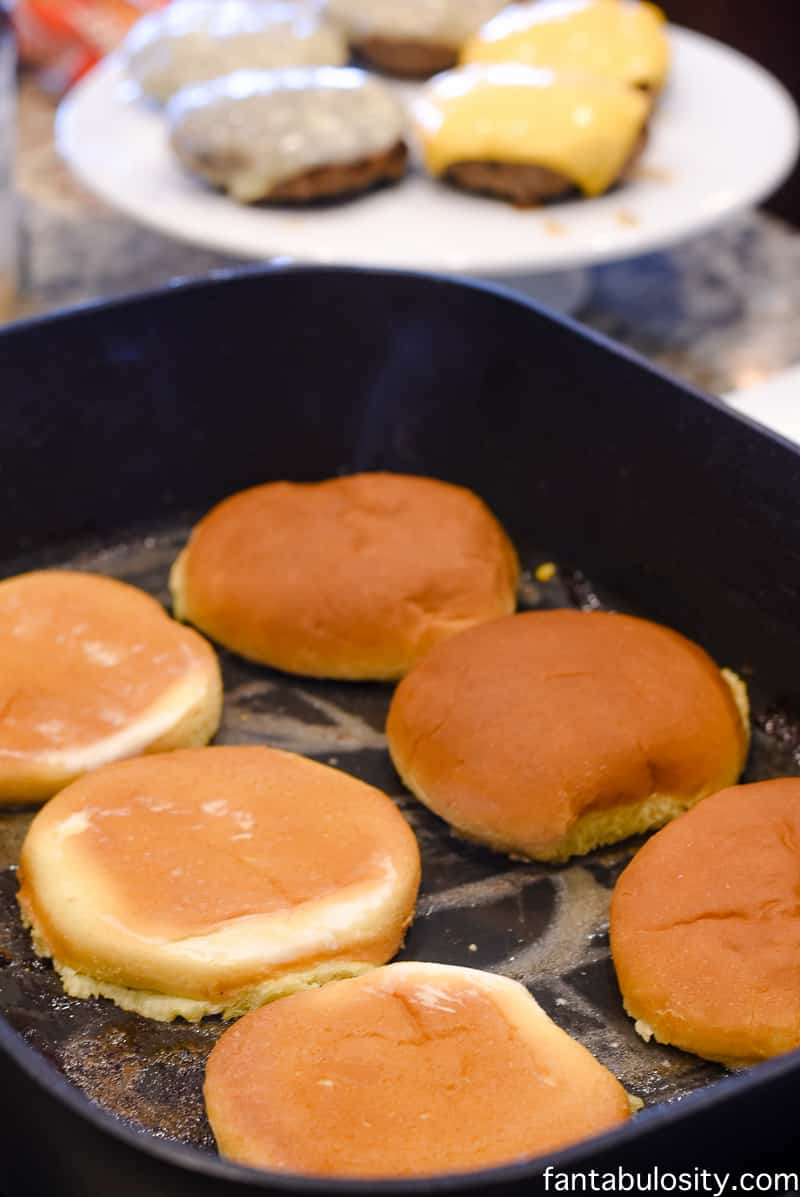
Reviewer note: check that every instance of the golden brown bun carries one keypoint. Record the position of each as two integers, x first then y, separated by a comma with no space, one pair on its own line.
411,1070
216,879
705,927
355,577
94,670
549,733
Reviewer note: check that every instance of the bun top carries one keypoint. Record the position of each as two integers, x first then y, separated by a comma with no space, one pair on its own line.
84,659
705,926
412,1069
515,729
581,126
353,577
621,40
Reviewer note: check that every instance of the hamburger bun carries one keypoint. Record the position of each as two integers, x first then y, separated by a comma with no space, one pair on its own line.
356,577
414,1069
94,670
213,880
705,927
550,733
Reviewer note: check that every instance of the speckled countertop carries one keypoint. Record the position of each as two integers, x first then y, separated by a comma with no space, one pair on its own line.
722,310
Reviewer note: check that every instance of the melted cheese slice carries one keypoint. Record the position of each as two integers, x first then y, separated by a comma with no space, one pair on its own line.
622,40
582,127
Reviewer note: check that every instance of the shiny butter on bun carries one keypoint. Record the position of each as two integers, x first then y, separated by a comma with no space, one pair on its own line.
290,136
412,1070
411,38
94,670
705,927
192,41
550,733
213,880
624,41
355,577
529,134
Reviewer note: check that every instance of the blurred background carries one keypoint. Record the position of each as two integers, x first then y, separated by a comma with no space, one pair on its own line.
720,309
764,31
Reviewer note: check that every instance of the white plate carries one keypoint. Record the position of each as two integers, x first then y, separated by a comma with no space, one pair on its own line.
774,403
724,136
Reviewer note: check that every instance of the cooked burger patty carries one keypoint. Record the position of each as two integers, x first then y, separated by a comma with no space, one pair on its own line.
523,184
325,182
405,57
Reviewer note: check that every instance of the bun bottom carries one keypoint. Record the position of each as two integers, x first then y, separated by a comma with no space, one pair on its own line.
165,1007
600,827
648,1033
196,719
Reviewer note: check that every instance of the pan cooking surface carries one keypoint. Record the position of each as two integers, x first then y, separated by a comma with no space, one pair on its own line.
546,926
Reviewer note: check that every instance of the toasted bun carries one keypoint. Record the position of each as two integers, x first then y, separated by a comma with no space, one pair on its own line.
356,577
92,671
705,927
216,879
412,1070
549,733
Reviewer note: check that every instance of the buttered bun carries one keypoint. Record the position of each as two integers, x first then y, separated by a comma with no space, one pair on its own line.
355,577
94,670
414,1069
550,733
705,927
215,879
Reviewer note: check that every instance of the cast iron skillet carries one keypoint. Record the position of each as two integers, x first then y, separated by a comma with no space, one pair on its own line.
120,423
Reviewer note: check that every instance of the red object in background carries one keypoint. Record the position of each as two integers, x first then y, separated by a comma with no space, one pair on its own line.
63,39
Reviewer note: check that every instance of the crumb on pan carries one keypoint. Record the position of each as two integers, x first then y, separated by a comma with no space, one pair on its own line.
643,1030
546,571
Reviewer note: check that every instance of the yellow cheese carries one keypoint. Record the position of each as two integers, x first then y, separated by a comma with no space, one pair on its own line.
580,126
623,40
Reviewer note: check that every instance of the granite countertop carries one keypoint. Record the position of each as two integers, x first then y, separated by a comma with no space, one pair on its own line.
721,310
